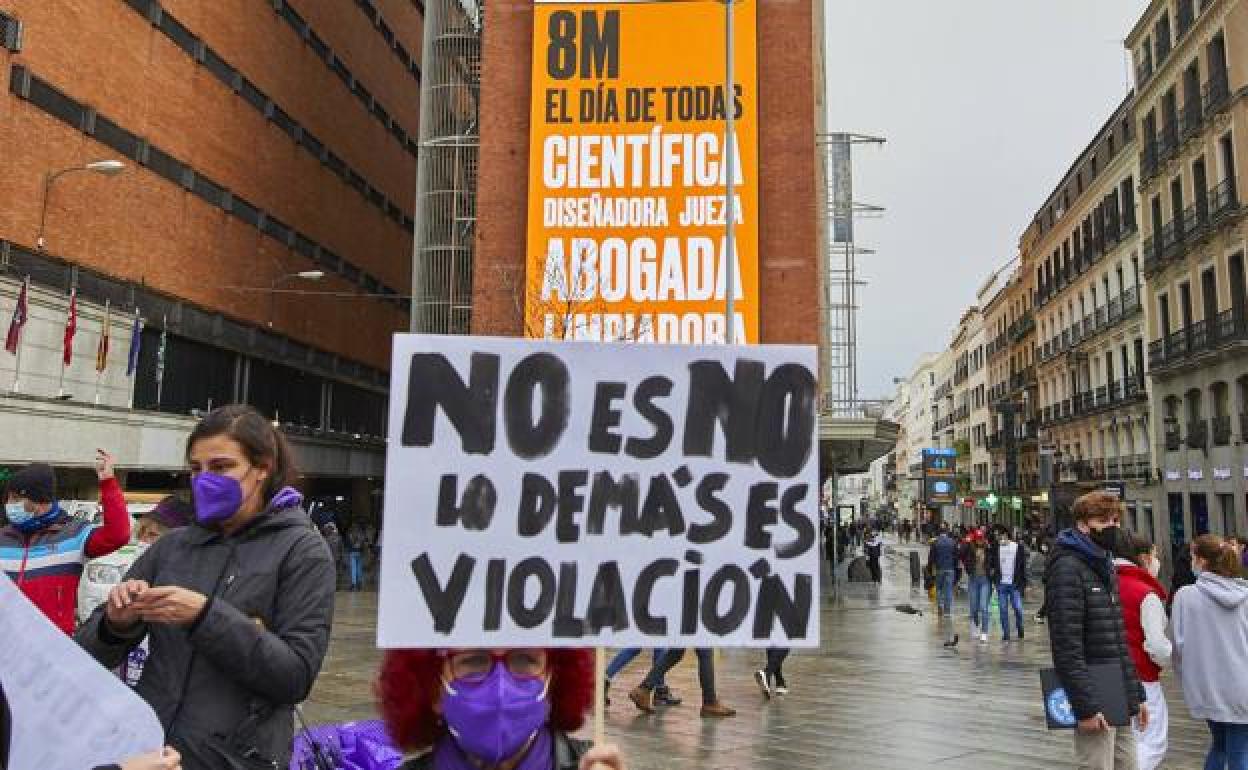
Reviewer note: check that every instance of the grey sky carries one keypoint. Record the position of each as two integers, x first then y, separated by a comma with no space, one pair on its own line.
985,104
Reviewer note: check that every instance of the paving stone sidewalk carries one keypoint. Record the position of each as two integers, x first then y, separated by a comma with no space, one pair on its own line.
881,692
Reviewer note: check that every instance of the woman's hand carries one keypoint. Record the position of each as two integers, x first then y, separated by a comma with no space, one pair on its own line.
105,463
606,757
121,610
165,759
170,605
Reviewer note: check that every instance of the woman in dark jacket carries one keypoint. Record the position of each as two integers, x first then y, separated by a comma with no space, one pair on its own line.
238,606
485,709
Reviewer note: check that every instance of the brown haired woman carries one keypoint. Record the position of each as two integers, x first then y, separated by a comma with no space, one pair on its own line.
1210,620
238,605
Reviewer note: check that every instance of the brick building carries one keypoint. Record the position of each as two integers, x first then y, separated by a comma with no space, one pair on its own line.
261,140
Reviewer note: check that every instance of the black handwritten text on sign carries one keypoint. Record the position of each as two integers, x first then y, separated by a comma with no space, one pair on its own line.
571,494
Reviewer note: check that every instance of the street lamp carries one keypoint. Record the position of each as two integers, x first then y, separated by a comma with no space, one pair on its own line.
306,275
102,167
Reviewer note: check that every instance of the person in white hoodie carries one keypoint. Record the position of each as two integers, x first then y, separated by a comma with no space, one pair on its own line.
1210,624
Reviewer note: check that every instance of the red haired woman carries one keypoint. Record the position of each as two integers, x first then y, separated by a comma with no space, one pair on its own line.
509,709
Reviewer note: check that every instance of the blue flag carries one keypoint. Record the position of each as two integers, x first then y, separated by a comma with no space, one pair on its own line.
136,343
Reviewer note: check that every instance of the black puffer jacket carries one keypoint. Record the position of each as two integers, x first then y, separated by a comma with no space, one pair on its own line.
1085,621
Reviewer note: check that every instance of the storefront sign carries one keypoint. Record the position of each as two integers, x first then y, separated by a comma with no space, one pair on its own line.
1222,474
1195,474
1173,476
627,172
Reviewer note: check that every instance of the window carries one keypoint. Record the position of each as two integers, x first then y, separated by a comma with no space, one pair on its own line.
10,32
254,96
1229,523
277,228
284,122
305,246
180,35
1193,405
166,165
208,190
113,135
240,208
219,67
293,18
53,102
319,46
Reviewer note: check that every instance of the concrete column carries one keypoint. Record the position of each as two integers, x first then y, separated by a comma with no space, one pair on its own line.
361,500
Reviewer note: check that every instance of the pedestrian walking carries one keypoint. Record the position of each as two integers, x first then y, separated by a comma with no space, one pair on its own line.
942,558
644,695
979,581
770,678
44,550
662,693
1008,565
353,544
238,606
1086,627
875,549
1210,620
1144,612
333,540
1182,574
476,709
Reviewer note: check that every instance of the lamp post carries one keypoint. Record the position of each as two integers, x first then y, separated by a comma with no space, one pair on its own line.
730,257
306,275
103,167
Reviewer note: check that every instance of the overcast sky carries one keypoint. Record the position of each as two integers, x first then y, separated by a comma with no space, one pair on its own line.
985,104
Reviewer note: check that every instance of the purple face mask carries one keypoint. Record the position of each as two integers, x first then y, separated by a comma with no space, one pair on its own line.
494,718
216,497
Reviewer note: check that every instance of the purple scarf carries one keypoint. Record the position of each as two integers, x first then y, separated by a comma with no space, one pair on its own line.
540,756
286,497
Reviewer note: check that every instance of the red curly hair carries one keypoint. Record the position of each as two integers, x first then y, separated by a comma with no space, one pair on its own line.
409,684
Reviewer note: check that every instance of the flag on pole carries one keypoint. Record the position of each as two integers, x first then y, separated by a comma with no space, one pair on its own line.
160,358
101,352
136,344
20,313
71,328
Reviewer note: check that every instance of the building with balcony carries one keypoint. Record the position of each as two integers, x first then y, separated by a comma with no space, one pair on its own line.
1085,259
1010,329
1191,61
967,417
915,433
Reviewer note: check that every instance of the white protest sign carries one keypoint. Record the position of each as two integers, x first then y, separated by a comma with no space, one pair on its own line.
571,494
69,712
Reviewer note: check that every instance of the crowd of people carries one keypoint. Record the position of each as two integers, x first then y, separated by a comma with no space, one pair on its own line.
223,622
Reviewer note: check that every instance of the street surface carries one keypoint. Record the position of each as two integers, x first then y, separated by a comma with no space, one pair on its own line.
881,693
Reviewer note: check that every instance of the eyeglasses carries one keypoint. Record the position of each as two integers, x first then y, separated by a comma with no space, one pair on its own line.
475,665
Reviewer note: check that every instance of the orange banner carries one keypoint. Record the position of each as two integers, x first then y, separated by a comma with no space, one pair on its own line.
627,208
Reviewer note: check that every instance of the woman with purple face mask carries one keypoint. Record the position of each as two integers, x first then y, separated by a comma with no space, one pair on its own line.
507,709
237,606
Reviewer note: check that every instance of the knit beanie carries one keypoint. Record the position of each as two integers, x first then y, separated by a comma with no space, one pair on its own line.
36,483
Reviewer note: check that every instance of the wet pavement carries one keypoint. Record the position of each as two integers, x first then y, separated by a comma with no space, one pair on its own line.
881,692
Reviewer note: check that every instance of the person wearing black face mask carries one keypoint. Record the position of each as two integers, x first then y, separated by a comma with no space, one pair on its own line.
1086,627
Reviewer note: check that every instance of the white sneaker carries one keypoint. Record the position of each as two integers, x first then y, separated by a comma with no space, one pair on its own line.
764,686
983,637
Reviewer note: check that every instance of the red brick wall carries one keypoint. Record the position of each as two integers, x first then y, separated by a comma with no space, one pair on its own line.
788,260
139,226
